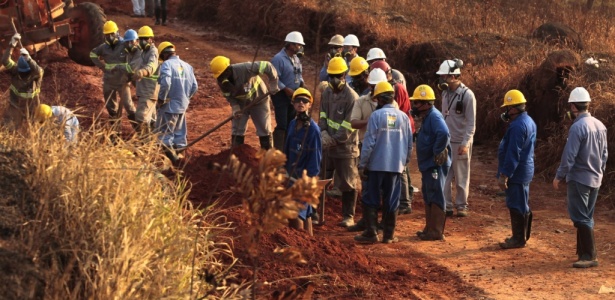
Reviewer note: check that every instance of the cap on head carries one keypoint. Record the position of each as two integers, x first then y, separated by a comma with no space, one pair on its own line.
513,97
301,92
381,64
337,40
423,92
579,94
294,37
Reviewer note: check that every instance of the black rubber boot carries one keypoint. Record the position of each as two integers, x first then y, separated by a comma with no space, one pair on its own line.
405,201
427,220
528,225
171,155
349,201
519,231
265,142
588,248
279,137
157,13
370,234
237,140
435,232
359,226
389,221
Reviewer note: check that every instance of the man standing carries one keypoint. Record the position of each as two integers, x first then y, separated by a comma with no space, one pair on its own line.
26,79
147,84
160,9
376,54
583,164
177,85
138,8
339,140
241,84
336,46
385,153
359,71
459,110
433,156
516,167
288,66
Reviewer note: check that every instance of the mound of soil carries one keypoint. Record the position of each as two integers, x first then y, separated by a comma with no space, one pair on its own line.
558,34
17,201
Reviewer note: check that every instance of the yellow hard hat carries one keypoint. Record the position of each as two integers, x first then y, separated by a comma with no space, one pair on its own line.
219,64
383,87
423,92
358,65
146,32
337,65
513,97
42,113
303,92
163,46
110,27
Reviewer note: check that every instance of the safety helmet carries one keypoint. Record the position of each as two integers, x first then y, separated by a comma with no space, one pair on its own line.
294,37
146,32
358,65
381,64
375,53
579,94
513,97
451,67
383,87
303,92
337,65
376,75
130,35
23,65
165,46
42,113
110,27
351,40
218,65
423,92
337,40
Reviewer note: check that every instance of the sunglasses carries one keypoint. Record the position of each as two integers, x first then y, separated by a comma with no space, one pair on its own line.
301,99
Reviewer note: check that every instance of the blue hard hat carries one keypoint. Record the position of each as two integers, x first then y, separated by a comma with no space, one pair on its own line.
130,35
22,65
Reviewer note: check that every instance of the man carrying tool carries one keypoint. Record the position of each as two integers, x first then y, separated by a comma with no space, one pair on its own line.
582,166
289,69
339,140
241,84
177,85
107,56
26,79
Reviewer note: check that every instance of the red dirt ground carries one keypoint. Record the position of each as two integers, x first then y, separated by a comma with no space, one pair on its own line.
467,265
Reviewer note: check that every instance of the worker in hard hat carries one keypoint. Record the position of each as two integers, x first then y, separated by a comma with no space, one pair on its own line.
26,79
349,51
376,54
107,56
145,74
241,84
402,99
459,110
336,46
290,75
177,85
433,157
303,148
359,71
60,116
582,166
516,167
385,152
339,139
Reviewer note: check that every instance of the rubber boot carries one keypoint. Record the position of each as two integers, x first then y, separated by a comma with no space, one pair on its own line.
427,220
157,13
265,142
528,225
237,140
370,234
349,200
164,16
588,246
390,221
279,137
435,230
405,201
359,226
519,231
171,155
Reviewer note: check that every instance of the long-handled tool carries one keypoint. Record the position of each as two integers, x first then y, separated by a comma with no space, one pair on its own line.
15,29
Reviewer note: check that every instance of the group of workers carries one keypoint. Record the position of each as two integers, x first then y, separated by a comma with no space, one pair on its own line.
366,131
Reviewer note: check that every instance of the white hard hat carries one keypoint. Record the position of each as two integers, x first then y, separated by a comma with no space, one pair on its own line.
450,67
295,37
579,94
375,53
376,75
337,40
351,40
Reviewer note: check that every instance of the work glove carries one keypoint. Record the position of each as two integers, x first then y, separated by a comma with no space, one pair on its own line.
237,111
274,90
24,52
364,174
327,140
139,74
441,158
16,37
503,182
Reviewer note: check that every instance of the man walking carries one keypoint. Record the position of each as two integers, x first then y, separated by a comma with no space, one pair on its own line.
147,85
583,164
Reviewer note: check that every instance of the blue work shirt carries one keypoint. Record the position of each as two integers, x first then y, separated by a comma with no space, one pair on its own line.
432,138
290,71
177,85
585,154
303,150
64,117
387,145
516,150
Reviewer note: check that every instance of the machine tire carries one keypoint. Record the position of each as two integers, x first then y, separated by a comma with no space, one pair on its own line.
91,19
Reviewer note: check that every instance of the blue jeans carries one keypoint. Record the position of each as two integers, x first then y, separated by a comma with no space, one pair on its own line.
284,110
581,203
390,185
518,197
433,188
172,129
